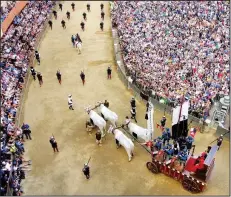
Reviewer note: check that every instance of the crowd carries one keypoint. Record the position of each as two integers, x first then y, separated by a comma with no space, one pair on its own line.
17,47
176,48
5,10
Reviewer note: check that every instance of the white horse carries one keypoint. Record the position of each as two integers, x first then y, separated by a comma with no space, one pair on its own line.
78,45
137,131
97,120
108,114
123,140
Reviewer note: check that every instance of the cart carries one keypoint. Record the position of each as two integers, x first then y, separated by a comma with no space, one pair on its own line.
173,168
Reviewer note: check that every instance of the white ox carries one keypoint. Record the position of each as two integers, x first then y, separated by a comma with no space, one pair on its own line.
97,120
108,114
123,140
137,131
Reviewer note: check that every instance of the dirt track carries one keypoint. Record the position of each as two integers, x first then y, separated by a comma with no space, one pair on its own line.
46,111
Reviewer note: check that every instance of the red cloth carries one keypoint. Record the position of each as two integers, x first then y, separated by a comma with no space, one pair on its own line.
149,144
192,168
201,164
190,165
203,154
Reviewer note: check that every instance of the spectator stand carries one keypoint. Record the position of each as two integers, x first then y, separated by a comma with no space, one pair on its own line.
125,78
135,19
18,122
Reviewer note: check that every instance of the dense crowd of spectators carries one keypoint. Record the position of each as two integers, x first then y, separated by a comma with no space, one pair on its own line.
17,46
5,10
175,48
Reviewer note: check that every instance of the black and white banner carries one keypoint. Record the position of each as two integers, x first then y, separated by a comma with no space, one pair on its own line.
180,120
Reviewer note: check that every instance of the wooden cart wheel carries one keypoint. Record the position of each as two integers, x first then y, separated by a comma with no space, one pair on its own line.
191,185
152,167
195,187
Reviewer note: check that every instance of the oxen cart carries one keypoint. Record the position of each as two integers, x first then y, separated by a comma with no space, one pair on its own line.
193,172
192,179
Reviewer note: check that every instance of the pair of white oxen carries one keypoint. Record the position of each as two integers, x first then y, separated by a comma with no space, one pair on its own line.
123,140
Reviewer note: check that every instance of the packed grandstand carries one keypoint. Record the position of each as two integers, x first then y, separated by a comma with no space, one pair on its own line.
171,48
17,47
175,48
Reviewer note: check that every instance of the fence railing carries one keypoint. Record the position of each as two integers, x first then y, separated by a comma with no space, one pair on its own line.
26,83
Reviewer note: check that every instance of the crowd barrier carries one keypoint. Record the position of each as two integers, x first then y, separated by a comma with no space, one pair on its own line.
18,122
124,76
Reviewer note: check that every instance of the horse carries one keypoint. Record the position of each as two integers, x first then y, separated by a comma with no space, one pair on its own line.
123,140
137,131
97,120
78,45
107,114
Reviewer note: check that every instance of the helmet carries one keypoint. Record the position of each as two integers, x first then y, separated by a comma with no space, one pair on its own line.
164,117
221,135
69,95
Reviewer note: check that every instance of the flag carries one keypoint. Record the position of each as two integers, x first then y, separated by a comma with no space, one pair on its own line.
180,120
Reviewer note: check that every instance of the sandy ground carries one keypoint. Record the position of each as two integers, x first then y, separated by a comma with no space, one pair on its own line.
46,111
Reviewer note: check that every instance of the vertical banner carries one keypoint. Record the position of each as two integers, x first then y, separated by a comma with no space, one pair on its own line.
180,120
150,123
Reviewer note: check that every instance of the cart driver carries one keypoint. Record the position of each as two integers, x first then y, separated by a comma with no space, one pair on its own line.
169,151
158,143
183,156
176,148
165,136
189,142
